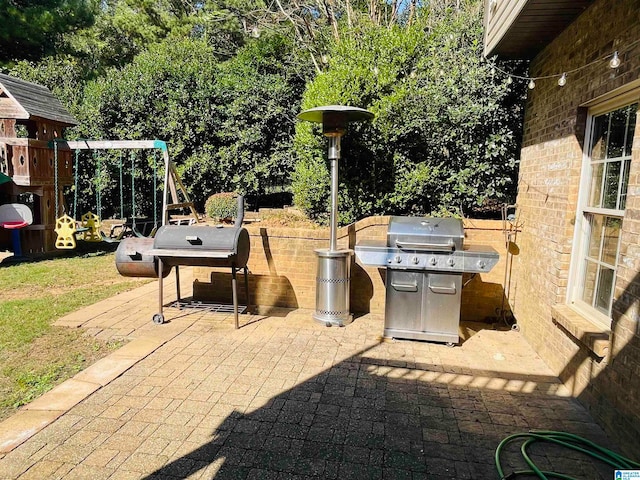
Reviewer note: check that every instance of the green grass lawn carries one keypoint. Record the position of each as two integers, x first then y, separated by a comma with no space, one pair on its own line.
34,355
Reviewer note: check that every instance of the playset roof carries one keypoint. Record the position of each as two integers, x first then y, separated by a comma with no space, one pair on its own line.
22,100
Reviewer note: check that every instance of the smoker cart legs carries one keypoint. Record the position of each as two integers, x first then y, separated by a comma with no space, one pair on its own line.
234,294
158,318
246,287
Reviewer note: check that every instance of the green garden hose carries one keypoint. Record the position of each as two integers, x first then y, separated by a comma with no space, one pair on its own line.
564,439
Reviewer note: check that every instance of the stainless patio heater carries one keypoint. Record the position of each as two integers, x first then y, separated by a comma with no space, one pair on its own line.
333,276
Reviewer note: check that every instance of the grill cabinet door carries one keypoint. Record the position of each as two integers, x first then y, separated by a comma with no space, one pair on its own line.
442,298
404,300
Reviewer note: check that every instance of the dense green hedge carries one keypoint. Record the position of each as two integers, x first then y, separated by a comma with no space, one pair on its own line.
444,138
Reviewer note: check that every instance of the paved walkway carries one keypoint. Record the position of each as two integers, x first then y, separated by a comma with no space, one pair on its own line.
285,398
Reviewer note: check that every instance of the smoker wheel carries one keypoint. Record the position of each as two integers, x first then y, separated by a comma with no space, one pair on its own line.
515,327
451,344
158,319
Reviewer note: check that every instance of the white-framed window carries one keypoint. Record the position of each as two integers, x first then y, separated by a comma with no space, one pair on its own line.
602,201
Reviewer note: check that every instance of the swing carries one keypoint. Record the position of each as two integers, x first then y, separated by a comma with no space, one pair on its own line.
66,230
134,222
175,196
65,225
90,221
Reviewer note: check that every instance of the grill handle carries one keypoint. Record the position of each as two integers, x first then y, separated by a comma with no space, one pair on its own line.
405,287
450,245
443,290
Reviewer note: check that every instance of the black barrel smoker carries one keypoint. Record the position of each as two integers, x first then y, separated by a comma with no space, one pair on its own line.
189,245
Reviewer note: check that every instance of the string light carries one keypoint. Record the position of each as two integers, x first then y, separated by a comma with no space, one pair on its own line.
615,61
562,81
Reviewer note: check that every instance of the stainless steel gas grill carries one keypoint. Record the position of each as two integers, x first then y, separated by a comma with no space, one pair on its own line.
425,259
203,246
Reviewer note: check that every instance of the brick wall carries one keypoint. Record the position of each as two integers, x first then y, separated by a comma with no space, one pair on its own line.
283,264
549,180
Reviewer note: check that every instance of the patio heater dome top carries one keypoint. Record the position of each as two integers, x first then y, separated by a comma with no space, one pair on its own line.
352,114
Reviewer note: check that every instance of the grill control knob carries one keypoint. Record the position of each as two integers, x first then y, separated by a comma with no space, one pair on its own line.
481,264
433,261
397,258
451,262
415,260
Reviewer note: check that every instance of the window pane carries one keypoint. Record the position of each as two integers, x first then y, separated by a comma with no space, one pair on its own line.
599,137
590,271
611,236
605,287
611,184
595,199
595,236
617,133
631,126
625,183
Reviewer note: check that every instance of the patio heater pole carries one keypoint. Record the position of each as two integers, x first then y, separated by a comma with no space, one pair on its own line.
334,156
333,276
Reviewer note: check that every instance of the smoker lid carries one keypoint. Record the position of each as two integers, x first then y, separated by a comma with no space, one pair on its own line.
201,237
425,230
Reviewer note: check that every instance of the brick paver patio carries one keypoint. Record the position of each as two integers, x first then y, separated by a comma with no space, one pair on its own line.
284,398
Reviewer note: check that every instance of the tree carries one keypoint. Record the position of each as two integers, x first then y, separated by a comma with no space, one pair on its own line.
444,138
229,124
257,96
32,30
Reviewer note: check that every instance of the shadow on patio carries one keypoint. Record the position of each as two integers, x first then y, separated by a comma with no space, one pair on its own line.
374,414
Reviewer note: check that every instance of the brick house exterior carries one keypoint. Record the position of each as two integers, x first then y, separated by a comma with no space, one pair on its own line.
599,360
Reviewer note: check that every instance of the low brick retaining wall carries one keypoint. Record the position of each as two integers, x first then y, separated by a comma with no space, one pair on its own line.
282,268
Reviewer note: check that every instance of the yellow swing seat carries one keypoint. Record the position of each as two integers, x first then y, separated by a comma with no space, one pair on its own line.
91,222
65,229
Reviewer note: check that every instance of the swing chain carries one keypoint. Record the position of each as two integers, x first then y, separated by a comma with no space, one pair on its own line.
133,189
155,190
55,175
75,186
121,186
98,185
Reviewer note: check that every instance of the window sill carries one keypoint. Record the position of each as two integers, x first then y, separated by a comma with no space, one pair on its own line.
593,336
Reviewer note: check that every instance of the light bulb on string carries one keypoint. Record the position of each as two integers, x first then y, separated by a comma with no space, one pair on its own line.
509,80
532,84
615,60
562,81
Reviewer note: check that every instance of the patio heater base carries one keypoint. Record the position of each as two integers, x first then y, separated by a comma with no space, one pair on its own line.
333,280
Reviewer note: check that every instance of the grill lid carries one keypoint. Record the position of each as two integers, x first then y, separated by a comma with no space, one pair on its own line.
425,233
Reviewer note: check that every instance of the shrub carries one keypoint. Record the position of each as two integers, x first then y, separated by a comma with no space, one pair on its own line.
311,185
446,127
221,205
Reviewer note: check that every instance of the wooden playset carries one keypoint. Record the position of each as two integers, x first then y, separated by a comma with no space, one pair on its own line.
39,163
